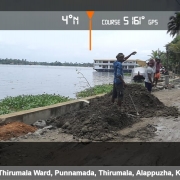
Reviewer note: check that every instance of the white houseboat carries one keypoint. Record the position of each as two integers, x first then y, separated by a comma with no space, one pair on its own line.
106,65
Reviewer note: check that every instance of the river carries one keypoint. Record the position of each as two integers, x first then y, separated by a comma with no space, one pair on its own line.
63,80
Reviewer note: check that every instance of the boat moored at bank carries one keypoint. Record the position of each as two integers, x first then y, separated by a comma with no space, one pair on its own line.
106,65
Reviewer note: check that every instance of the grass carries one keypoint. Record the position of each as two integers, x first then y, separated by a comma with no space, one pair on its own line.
99,89
25,102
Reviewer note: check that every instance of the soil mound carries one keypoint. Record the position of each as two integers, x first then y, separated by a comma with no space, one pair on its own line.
15,129
101,119
97,122
146,104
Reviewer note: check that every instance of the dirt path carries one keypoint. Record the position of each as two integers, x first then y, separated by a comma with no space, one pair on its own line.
157,129
168,129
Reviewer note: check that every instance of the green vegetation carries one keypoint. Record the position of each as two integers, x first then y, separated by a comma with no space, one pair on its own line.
57,63
25,102
156,53
171,57
174,24
127,74
99,89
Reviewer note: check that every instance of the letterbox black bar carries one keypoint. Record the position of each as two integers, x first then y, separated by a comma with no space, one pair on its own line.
95,5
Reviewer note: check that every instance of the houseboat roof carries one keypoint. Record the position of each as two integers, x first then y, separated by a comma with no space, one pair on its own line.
114,60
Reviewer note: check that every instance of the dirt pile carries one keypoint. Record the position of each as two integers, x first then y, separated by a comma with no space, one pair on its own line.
97,122
146,104
101,119
15,129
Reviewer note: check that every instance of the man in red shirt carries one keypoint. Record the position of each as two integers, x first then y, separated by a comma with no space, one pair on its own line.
158,65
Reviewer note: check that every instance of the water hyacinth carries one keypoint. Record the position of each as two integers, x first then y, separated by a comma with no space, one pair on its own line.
98,89
25,102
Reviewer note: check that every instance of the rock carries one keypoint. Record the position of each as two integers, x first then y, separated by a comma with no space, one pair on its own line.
161,87
169,86
48,127
90,129
87,122
40,124
97,139
110,136
69,127
158,113
104,138
40,132
84,129
59,131
85,141
66,125
160,84
49,121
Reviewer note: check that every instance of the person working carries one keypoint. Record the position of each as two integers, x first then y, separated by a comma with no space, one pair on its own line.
149,75
157,72
119,84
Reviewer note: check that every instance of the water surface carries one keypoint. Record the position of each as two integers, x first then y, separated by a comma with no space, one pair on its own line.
29,79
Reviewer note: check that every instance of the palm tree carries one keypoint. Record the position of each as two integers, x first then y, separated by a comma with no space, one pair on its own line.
174,47
156,53
174,24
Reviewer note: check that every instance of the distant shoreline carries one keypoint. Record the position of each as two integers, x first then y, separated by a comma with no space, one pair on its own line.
57,63
46,65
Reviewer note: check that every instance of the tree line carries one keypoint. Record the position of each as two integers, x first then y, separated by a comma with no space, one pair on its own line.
57,63
170,58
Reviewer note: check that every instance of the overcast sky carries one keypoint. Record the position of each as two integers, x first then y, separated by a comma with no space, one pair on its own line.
73,46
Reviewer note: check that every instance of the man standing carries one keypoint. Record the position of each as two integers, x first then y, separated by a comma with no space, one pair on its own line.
119,84
149,75
157,72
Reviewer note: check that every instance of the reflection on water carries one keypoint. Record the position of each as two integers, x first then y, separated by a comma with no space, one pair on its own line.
106,78
102,77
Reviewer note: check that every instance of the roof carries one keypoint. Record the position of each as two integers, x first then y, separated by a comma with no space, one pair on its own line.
113,60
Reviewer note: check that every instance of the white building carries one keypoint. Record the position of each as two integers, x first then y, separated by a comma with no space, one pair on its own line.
106,65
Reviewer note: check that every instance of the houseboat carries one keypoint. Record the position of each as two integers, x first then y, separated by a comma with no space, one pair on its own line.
102,65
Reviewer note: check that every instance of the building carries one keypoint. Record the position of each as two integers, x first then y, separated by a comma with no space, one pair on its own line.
106,65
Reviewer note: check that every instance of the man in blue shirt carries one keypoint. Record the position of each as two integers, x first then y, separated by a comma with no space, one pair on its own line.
119,84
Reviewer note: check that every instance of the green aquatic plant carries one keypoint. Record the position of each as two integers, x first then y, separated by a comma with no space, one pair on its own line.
127,74
25,102
98,89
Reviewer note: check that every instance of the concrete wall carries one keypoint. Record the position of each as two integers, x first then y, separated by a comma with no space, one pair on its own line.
43,113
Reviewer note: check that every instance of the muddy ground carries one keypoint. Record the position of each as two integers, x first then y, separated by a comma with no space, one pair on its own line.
100,121
104,121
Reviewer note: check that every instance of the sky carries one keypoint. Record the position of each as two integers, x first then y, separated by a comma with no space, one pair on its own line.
73,46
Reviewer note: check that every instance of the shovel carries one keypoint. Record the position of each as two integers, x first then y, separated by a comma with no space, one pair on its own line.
134,105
